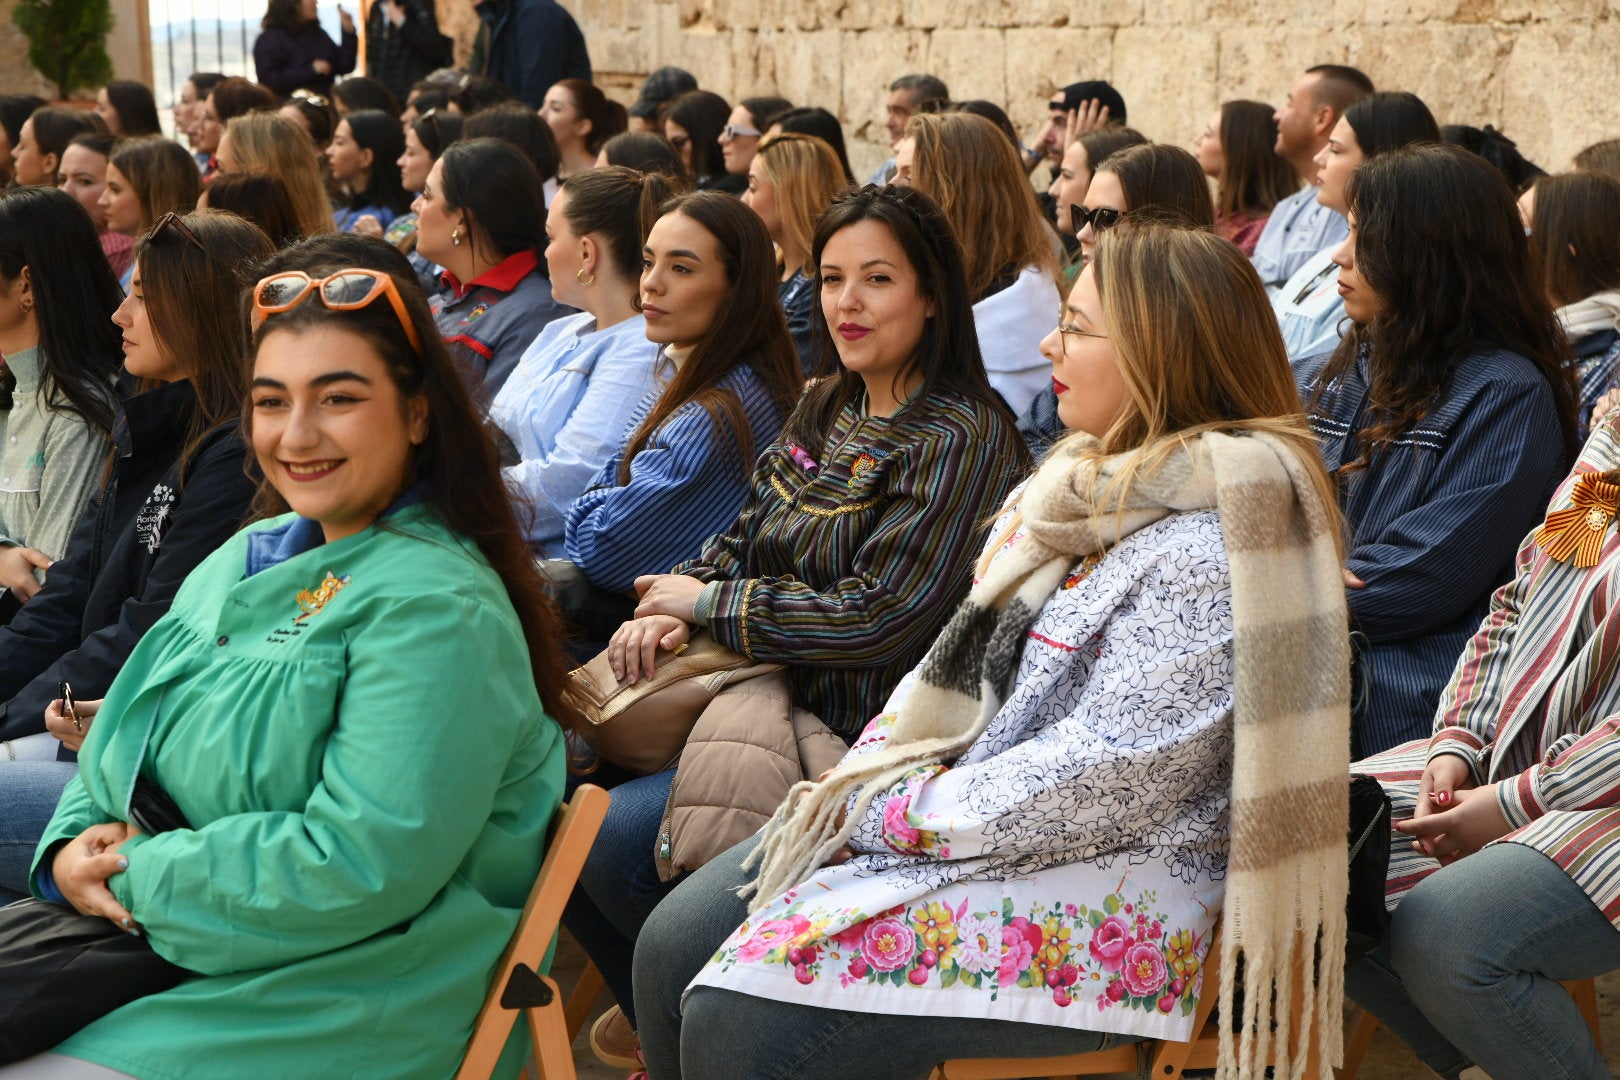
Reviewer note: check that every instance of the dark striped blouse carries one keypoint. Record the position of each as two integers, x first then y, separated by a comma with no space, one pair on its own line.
847,559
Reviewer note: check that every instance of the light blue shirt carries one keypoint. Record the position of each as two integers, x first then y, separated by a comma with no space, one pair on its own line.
567,409
1298,228
1310,309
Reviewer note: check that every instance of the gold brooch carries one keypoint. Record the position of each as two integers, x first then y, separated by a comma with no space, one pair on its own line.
1575,534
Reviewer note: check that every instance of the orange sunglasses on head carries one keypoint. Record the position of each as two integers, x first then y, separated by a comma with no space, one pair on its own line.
346,290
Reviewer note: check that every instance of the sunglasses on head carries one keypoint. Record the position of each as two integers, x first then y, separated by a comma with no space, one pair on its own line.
346,290
174,223
1099,219
311,97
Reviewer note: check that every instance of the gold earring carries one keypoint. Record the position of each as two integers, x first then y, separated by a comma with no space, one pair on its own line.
585,280
27,304
455,236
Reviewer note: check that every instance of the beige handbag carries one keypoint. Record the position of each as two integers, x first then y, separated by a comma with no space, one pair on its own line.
644,727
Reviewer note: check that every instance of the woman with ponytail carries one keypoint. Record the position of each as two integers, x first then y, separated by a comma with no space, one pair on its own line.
582,119
566,408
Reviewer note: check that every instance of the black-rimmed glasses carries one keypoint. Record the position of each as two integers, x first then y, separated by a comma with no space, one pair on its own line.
1100,219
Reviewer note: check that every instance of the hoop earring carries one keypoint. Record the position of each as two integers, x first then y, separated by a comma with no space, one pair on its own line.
585,280
455,236
27,305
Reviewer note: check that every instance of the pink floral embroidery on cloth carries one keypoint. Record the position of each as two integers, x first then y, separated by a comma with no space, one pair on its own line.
1120,952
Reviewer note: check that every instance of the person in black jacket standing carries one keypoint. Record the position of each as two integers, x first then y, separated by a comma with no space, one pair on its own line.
403,44
527,45
175,488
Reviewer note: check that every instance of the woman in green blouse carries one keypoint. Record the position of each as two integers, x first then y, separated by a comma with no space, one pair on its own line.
61,353
349,703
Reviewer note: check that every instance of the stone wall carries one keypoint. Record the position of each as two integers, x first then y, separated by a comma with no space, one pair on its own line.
1544,71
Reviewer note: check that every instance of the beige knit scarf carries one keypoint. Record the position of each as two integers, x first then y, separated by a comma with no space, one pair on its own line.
1287,875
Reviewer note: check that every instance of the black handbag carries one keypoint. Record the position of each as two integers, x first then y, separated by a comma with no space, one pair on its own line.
60,970
1366,917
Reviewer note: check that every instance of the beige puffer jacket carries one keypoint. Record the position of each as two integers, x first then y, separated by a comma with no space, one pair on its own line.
750,745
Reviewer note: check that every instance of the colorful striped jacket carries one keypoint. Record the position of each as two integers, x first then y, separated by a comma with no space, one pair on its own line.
1534,707
848,559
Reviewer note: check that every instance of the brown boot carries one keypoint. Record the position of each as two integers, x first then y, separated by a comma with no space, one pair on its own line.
614,1041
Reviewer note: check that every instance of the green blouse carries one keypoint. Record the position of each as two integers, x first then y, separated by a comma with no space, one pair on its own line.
354,733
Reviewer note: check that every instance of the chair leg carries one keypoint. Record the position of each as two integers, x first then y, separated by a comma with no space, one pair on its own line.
553,1049
582,999
1356,1047
1584,991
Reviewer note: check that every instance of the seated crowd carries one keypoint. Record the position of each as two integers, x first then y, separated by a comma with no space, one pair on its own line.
338,436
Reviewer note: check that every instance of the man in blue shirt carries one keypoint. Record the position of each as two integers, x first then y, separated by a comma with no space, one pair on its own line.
527,45
1299,226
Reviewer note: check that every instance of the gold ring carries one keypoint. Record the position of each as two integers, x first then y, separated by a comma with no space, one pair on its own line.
682,647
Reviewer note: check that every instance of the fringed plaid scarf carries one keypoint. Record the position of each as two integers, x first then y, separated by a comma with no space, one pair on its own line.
1286,880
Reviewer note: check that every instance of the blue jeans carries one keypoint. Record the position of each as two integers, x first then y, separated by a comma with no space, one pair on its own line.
29,792
724,1035
619,886
1468,973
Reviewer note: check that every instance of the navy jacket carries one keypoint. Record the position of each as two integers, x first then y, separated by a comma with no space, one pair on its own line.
1434,522
527,45
283,60
133,547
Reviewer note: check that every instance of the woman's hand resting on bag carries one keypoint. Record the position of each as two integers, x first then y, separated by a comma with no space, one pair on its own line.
83,866
668,594
635,643
63,728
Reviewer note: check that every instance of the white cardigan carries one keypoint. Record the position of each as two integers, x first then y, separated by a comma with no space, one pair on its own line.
1011,324
1068,868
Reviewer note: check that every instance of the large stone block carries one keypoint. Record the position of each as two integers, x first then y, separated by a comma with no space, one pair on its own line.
1167,76
1262,62
1454,69
810,67
1557,90
972,63
1409,12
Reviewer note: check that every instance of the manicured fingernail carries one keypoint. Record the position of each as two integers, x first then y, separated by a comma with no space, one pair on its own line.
123,863
135,932
1443,798
127,923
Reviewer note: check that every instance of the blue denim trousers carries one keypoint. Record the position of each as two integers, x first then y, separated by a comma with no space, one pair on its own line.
1468,972
29,792
619,886
724,1035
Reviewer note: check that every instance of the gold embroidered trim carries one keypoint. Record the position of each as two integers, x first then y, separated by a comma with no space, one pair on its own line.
823,512
748,591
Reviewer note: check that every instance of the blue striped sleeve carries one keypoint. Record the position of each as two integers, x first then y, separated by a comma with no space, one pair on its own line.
1489,487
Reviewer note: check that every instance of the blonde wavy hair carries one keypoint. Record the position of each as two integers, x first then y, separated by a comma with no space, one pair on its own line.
267,142
806,174
966,165
1198,349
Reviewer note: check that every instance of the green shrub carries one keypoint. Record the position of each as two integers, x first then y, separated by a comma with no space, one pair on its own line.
67,41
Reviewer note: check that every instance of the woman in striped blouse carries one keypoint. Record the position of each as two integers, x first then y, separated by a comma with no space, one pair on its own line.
857,538
728,376
1507,873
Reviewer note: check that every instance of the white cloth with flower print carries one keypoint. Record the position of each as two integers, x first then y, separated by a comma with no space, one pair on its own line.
1068,869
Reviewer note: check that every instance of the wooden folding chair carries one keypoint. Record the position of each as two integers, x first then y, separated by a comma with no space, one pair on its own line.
518,985
1584,991
1168,1059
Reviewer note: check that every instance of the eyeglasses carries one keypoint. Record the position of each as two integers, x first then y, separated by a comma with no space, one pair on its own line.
1067,332
1100,219
737,131
346,290
311,97
173,222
